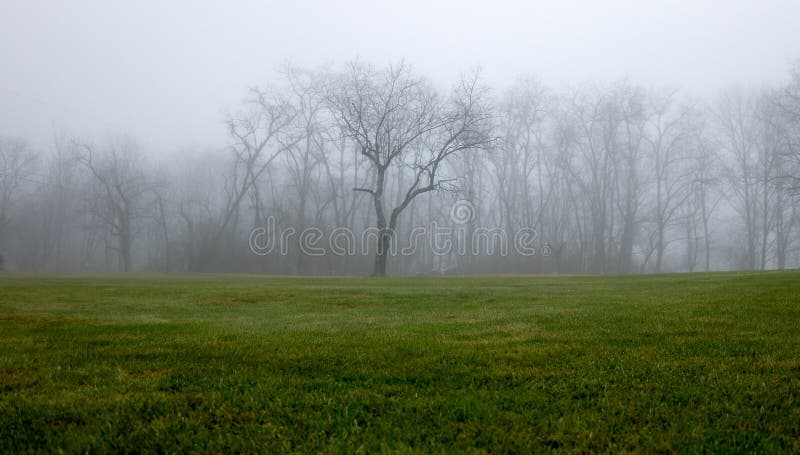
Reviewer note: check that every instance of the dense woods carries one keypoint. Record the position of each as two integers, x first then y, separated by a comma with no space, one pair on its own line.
349,167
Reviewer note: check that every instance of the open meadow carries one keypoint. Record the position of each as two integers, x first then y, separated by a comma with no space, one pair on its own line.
213,363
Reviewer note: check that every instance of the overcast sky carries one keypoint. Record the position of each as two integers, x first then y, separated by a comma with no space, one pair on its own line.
166,72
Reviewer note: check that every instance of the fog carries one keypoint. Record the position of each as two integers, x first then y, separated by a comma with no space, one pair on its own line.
165,72
615,131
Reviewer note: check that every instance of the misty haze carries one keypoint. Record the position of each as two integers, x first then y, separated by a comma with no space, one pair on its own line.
399,227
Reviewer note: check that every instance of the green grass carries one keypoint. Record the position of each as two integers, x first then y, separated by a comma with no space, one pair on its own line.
705,362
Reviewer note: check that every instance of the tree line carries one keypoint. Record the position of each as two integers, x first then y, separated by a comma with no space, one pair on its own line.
608,178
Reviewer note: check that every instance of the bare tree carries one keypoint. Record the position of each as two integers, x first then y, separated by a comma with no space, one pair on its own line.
634,113
57,204
307,148
120,187
589,144
399,119
198,200
17,165
787,101
669,148
259,137
705,197
517,166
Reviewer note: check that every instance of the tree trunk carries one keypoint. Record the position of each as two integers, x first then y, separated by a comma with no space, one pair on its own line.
382,253
384,235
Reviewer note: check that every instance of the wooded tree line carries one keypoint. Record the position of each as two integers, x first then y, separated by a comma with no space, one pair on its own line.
613,178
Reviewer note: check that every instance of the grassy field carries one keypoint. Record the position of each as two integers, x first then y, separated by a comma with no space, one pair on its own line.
705,362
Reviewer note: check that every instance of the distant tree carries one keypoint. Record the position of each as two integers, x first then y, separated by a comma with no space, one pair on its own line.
738,125
306,148
198,199
670,144
705,197
259,135
778,177
517,167
787,101
756,172
57,205
588,132
635,114
120,187
17,165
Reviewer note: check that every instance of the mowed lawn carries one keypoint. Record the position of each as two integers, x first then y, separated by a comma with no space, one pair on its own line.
703,362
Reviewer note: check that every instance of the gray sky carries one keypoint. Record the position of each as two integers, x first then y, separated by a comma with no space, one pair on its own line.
166,72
